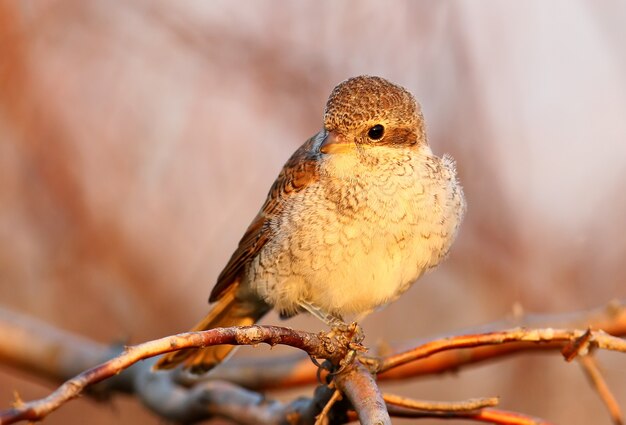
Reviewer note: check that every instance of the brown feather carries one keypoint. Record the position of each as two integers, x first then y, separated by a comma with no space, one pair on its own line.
228,311
298,172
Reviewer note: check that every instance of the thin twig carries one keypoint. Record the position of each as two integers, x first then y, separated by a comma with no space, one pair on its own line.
547,335
322,418
441,406
590,367
492,416
503,417
577,347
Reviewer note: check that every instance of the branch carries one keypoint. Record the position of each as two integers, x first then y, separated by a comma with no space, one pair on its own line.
29,341
295,370
558,337
35,346
173,401
225,400
359,386
315,345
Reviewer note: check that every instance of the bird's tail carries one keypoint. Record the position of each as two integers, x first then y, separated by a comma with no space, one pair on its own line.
227,311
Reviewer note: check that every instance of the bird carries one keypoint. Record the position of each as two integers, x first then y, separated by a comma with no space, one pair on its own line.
357,214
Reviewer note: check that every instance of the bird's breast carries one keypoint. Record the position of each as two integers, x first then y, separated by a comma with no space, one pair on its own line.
352,245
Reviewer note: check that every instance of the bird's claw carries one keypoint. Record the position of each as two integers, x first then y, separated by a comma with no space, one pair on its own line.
352,332
351,335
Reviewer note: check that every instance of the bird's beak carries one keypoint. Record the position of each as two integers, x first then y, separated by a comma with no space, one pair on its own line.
335,143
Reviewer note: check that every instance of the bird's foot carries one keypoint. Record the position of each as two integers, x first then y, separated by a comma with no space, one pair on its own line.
352,332
351,335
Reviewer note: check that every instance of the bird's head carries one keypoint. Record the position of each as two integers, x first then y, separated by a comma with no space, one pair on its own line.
365,113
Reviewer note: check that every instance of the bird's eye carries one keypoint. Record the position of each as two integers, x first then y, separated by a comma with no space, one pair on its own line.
376,132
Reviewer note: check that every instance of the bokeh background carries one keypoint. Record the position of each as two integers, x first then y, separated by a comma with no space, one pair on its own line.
138,139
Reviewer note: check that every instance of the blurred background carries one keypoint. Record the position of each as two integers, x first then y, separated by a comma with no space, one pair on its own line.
138,140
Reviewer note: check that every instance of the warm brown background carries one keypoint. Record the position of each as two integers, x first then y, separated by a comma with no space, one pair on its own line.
137,140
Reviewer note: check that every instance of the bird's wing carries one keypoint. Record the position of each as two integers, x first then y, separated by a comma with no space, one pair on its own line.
299,171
